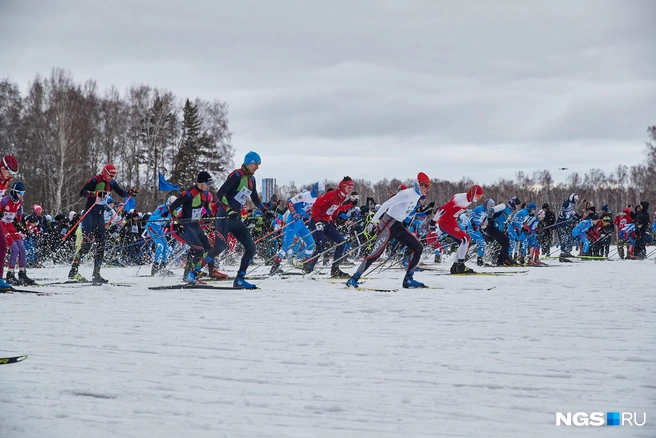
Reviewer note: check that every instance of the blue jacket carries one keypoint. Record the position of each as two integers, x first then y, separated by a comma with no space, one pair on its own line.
479,216
518,220
582,227
501,213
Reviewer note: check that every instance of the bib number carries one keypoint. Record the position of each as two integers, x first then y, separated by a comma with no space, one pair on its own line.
8,217
196,213
243,195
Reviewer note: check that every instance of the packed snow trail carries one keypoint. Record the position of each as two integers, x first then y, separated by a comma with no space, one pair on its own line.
302,358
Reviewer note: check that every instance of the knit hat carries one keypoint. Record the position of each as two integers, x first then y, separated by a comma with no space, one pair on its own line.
204,177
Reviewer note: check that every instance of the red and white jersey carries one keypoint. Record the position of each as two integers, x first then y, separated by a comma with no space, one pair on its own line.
325,207
450,212
11,210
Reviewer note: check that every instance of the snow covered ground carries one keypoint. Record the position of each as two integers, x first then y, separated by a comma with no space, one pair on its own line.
304,358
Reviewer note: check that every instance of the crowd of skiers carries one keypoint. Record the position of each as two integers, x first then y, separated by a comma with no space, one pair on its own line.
202,227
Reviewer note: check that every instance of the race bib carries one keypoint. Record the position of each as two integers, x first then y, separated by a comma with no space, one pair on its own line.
332,209
243,195
102,201
196,213
319,226
8,217
135,229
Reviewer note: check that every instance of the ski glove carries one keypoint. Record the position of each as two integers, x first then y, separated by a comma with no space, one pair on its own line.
233,215
19,226
372,227
178,228
100,193
133,191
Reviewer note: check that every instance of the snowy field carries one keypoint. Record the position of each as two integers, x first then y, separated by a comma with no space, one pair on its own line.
304,358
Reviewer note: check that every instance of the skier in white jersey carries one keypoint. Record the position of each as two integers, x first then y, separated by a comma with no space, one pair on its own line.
391,216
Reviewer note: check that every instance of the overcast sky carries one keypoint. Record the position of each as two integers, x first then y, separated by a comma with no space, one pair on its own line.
373,88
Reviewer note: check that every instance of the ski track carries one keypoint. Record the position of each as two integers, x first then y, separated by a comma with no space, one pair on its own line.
303,358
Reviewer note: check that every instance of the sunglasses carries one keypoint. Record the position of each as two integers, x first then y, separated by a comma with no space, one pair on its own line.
11,172
20,192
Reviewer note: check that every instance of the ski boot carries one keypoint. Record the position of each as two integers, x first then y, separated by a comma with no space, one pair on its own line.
12,280
353,281
189,265
480,262
157,266
164,272
24,279
308,266
335,272
4,286
438,258
193,277
215,274
275,267
564,257
74,275
460,268
96,278
241,283
410,283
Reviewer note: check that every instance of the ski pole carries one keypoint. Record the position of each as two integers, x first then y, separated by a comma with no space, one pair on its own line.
319,255
80,220
118,210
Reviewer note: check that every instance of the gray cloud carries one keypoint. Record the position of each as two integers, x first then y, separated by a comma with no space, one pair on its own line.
373,89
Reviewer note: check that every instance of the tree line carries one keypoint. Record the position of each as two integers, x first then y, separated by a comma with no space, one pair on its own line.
63,132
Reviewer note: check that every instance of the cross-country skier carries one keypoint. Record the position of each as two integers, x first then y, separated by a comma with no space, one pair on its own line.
477,222
324,210
447,219
93,225
154,227
391,214
12,209
194,202
8,168
580,229
298,209
565,226
531,226
497,216
517,232
546,236
239,187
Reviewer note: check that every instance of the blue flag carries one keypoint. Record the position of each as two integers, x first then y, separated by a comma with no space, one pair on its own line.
166,186
130,205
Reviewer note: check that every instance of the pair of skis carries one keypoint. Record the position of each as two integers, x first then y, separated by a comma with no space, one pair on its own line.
197,286
379,289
